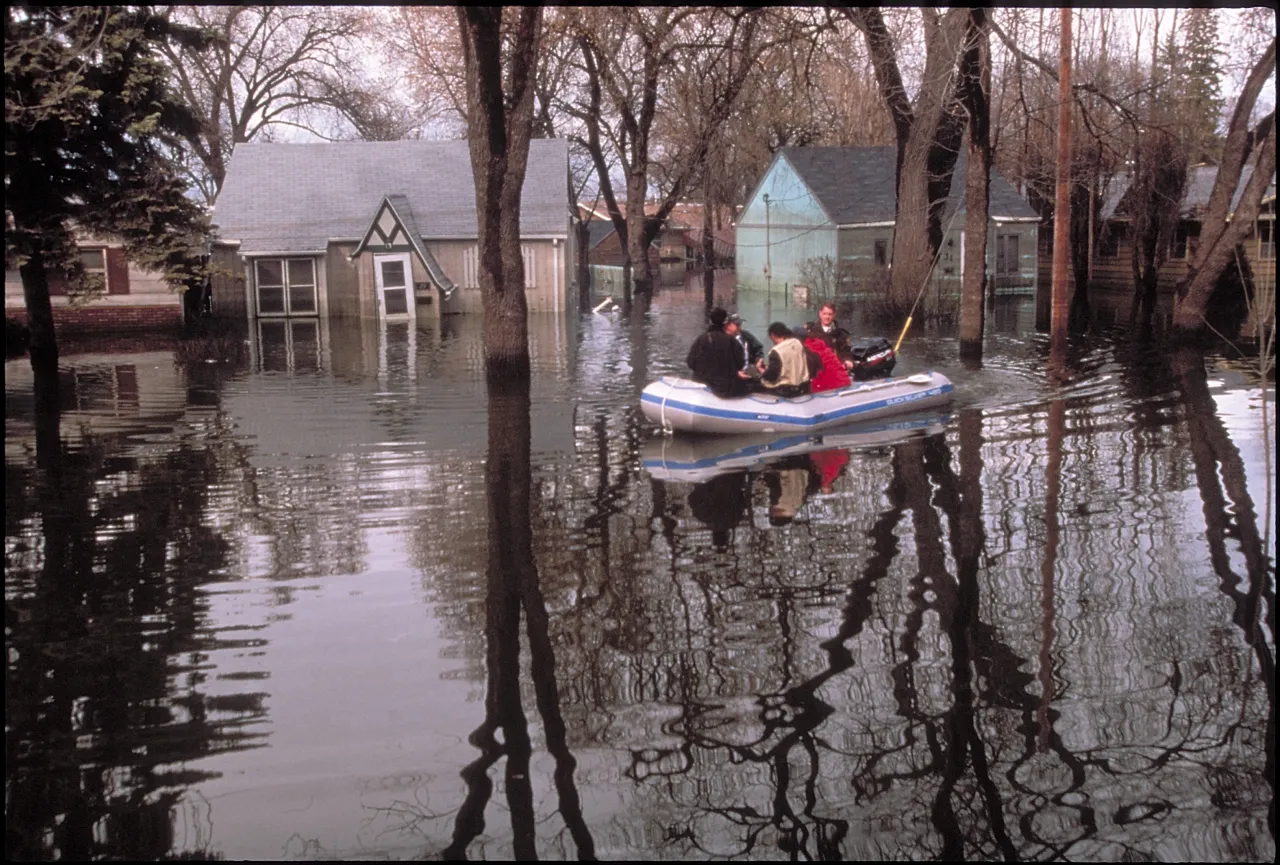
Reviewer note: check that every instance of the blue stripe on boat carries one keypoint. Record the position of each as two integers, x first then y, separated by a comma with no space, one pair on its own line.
791,420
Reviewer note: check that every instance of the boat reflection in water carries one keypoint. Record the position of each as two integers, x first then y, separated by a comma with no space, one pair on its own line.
791,468
689,459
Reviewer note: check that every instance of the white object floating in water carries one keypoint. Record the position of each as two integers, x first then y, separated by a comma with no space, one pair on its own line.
606,305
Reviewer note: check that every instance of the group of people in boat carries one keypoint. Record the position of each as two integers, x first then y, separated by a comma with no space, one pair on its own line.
809,358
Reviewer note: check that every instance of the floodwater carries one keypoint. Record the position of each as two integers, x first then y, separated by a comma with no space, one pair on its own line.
331,602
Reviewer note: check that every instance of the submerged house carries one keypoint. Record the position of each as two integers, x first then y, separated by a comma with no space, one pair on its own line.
834,208
132,298
377,229
1113,251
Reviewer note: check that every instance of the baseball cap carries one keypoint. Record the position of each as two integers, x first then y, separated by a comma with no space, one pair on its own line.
734,318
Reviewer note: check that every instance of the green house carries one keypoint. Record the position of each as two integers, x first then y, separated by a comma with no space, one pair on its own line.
824,217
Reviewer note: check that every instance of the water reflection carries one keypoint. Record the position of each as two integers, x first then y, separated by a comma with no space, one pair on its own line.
108,693
513,590
346,603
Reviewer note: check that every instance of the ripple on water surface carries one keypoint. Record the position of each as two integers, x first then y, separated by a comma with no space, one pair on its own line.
295,609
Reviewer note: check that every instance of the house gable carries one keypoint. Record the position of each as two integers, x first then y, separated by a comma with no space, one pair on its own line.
791,199
855,186
393,229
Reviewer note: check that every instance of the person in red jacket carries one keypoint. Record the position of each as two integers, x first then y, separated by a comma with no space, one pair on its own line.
833,374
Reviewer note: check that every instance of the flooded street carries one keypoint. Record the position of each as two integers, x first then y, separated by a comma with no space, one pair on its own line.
301,607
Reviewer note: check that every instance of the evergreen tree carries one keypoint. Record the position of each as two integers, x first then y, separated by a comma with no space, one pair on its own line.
91,130
1200,79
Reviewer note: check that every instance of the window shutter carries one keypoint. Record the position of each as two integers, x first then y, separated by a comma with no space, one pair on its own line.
529,280
117,272
471,267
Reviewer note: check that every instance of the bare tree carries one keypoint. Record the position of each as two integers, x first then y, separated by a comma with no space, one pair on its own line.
275,67
975,86
928,131
1222,227
628,59
500,56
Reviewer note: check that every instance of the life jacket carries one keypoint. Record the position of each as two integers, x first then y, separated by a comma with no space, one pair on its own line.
795,366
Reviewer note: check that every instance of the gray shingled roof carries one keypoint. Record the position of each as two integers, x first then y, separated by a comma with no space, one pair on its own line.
856,184
1200,180
284,197
597,231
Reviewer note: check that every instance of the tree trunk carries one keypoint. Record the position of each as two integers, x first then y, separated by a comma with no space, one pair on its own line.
1218,237
708,233
1211,259
975,79
498,137
1081,210
43,343
583,264
638,237
928,138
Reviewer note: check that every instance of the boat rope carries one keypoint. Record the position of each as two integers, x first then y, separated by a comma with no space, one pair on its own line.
666,427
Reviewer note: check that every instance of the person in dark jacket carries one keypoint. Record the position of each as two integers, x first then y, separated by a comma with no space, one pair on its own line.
717,359
752,346
827,329
721,503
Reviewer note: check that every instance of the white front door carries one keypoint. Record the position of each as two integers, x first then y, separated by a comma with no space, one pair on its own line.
393,275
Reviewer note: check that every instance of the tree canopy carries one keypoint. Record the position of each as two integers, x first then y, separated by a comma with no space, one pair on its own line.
91,130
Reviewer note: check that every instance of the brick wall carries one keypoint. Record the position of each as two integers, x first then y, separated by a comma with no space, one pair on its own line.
109,319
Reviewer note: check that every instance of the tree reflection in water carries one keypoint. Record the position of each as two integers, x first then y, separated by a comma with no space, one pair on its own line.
512,589
1217,466
104,620
986,801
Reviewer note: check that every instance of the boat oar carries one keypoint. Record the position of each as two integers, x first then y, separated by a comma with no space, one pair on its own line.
925,284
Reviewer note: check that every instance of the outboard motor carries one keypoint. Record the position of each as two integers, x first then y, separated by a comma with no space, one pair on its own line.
873,358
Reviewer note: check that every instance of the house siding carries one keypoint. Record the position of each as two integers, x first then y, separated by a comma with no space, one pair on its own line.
1025,278
136,299
798,229
348,284
344,282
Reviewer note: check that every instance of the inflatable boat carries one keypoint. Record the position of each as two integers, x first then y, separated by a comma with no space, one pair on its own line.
678,404
697,459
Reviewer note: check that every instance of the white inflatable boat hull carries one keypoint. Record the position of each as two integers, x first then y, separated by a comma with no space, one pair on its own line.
697,459
688,406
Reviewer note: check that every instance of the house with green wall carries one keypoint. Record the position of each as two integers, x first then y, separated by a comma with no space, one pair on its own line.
826,215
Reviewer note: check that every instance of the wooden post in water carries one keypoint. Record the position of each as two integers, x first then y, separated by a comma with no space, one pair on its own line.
1060,298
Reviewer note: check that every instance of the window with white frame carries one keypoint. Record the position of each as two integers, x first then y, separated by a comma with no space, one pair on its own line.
527,252
94,262
286,286
1008,261
1266,239
471,267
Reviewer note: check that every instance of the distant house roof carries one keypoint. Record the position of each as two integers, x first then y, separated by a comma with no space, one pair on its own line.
1200,180
856,184
598,230
286,197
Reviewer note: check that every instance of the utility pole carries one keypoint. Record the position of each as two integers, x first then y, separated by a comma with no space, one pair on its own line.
768,271
1060,300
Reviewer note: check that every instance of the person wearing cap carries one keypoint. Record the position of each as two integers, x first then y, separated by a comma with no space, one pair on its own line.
789,365
752,346
717,359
